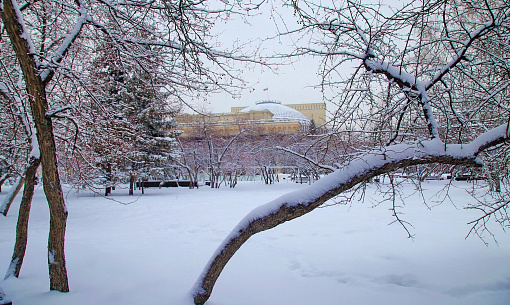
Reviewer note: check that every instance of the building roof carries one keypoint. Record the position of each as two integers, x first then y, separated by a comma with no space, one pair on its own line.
279,111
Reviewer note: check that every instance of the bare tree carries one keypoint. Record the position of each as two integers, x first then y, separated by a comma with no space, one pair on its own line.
210,150
51,45
422,77
35,85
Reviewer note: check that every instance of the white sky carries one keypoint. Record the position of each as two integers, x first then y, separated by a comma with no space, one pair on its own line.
289,84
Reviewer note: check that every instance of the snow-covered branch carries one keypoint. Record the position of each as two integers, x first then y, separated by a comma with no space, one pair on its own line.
17,104
371,164
23,32
409,82
200,47
395,74
5,204
47,74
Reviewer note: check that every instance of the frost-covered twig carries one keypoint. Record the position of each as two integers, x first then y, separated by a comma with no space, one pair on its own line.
323,166
461,52
396,214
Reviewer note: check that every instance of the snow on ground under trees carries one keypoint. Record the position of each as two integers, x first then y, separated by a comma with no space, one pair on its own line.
152,250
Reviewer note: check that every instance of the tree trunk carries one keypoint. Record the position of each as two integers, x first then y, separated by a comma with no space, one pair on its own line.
192,179
6,204
132,178
51,180
24,213
264,175
196,178
131,184
108,189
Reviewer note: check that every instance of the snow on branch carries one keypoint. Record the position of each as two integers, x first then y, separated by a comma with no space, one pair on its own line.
24,34
47,74
371,164
473,36
395,74
329,53
409,82
200,47
17,104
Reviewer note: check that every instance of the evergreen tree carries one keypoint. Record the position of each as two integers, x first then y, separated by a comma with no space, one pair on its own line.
138,98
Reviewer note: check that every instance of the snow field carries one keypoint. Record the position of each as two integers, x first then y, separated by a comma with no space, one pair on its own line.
152,250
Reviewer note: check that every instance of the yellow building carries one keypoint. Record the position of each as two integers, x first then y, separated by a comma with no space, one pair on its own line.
313,111
264,117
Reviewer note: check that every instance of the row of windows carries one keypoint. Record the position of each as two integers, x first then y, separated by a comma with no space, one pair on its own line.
297,107
308,106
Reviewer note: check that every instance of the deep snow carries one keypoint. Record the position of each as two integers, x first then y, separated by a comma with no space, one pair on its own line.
152,250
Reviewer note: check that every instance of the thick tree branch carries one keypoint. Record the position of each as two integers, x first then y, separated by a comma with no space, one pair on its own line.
371,164
48,73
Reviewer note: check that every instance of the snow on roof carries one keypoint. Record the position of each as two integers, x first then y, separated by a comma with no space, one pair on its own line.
279,111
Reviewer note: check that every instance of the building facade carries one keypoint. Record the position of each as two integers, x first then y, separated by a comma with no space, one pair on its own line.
263,117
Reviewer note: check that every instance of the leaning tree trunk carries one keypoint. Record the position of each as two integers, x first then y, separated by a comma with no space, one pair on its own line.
362,169
2,180
6,204
35,87
24,213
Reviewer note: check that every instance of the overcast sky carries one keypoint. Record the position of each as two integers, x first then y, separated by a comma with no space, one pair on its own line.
289,84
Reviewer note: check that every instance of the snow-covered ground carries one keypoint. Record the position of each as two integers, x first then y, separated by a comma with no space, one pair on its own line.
152,250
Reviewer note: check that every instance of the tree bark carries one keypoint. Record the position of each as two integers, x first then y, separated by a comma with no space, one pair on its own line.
24,213
132,179
108,188
6,204
51,180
